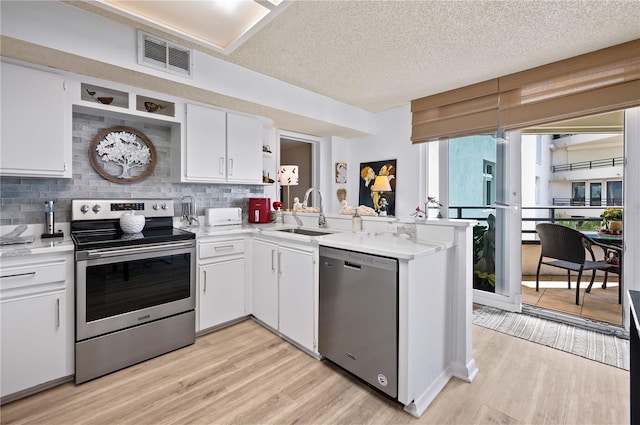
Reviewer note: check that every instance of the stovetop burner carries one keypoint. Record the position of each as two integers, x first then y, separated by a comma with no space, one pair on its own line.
96,224
109,239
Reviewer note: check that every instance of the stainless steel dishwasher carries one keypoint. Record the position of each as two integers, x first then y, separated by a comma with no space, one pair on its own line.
358,326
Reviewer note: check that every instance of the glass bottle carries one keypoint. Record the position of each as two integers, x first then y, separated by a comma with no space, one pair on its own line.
356,222
279,215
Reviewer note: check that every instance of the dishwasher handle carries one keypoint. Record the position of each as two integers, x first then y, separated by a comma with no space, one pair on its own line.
352,266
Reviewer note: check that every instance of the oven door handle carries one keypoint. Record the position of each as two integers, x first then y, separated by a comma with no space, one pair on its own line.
102,253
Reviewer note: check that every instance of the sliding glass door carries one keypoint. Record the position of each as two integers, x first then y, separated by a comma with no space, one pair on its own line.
484,184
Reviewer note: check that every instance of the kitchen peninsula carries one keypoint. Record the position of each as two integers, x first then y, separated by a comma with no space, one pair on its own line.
434,290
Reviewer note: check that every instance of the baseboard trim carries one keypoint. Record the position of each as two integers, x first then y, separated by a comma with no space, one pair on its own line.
33,390
422,402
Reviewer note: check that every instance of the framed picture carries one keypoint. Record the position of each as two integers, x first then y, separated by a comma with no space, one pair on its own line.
381,198
341,172
122,154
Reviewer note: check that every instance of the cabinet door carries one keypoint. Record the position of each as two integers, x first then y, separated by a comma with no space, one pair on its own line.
33,341
221,292
244,149
265,283
205,144
33,139
297,307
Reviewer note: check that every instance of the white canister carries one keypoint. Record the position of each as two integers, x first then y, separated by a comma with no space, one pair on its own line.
131,223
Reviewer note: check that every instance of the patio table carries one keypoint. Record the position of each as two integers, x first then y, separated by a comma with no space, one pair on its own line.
612,240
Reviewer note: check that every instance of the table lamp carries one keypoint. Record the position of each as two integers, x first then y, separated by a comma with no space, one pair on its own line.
381,184
288,177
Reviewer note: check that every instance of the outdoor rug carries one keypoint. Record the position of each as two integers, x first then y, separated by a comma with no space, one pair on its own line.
593,345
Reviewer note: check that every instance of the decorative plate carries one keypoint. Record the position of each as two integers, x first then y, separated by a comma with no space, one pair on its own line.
122,154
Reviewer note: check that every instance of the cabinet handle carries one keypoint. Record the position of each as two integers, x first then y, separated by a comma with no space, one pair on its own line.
279,263
18,275
230,166
57,312
204,287
221,165
220,248
273,262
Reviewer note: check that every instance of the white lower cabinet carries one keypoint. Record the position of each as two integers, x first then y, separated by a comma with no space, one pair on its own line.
264,258
284,289
296,295
36,341
221,281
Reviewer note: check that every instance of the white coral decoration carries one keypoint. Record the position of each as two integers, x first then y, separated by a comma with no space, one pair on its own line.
123,149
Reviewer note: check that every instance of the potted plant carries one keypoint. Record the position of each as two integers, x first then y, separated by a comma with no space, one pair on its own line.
613,219
484,276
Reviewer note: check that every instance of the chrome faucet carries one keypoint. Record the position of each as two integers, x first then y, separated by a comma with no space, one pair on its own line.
322,221
189,211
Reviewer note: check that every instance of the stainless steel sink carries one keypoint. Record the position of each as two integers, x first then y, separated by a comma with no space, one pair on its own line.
305,232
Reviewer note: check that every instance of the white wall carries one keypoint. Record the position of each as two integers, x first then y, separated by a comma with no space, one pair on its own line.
391,141
60,26
340,152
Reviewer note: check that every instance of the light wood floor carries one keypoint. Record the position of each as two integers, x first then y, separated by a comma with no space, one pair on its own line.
599,304
246,375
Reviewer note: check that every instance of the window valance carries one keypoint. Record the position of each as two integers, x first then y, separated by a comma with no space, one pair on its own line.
597,82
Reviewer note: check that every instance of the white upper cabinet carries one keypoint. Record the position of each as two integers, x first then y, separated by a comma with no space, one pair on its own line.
244,149
205,146
36,123
220,147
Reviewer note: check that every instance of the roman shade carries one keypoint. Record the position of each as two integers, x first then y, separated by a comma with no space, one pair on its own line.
597,82
456,113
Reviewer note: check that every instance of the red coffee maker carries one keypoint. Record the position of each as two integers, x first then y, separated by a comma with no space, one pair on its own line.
259,210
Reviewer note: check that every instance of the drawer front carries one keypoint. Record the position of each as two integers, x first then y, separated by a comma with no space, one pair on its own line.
34,278
220,248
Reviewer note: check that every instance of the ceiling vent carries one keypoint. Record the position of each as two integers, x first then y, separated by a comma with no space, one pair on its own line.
164,55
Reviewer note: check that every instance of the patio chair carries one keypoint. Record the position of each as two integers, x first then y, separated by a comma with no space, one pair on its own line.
565,248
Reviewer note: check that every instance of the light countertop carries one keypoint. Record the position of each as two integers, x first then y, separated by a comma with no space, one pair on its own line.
383,244
377,243
38,246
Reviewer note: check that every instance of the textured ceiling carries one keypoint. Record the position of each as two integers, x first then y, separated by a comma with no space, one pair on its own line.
381,54
377,55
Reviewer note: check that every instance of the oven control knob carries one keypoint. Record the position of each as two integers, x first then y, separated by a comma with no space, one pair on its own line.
84,208
164,206
96,208
156,206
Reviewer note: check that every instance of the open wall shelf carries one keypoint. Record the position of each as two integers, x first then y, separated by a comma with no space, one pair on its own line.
104,96
155,106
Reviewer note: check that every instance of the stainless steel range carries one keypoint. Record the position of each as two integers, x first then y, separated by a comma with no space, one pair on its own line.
135,293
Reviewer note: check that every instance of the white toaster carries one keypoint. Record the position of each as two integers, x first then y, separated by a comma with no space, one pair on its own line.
222,216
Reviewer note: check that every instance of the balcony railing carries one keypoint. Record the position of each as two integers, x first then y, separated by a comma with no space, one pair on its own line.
587,165
582,202
553,214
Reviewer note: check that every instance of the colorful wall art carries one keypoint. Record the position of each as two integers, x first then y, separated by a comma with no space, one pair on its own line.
381,198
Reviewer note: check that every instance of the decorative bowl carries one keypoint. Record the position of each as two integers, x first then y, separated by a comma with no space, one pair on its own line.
131,223
105,100
153,107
